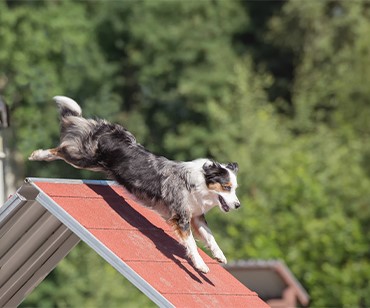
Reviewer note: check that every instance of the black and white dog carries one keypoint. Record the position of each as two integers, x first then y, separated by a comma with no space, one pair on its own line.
181,192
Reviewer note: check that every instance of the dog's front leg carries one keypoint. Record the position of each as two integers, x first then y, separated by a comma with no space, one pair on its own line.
186,238
203,232
192,251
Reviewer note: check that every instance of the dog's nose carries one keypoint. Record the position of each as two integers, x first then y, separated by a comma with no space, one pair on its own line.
237,205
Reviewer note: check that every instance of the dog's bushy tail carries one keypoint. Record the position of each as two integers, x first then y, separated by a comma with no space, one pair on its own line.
67,106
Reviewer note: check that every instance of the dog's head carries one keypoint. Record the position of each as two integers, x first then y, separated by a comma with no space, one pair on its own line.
221,180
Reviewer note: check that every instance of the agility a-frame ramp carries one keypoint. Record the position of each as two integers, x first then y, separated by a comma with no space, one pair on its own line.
46,218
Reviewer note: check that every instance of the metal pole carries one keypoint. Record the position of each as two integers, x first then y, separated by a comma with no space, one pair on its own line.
2,174
4,122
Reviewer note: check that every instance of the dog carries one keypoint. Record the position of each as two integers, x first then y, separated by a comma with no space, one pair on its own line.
181,192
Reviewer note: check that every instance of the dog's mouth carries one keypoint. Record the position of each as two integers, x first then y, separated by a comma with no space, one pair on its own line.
224,206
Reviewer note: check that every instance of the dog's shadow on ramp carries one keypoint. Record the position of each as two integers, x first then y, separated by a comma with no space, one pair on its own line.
167,245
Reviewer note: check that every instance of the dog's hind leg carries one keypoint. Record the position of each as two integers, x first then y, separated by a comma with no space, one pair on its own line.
203,232
45,155
61,153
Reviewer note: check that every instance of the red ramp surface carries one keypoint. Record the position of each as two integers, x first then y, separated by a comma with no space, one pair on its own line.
138,243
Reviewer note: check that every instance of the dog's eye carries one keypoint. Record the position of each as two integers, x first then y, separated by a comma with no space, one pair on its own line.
226,187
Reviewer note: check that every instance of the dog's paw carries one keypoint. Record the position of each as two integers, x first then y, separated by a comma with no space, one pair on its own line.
35,155
220,257
200,265
42,155
202,268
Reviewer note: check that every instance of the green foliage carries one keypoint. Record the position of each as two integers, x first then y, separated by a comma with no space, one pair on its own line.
331,36
280,87
175,56
44,53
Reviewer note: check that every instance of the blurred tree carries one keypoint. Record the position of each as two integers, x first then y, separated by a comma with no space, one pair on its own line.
279,62
330,43
47,53
174,57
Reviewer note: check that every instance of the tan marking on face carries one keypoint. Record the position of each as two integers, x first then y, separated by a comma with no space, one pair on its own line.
219,188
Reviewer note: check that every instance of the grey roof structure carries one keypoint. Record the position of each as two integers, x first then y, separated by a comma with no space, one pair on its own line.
272,280
33,241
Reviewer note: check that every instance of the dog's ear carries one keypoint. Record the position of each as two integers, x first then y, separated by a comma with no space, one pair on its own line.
234,167
209,165
213,172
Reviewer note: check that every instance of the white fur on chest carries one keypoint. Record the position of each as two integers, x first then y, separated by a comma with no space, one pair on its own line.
201,203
